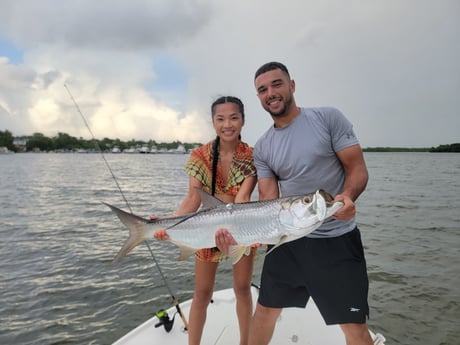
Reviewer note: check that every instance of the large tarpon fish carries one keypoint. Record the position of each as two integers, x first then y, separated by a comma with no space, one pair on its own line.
274,222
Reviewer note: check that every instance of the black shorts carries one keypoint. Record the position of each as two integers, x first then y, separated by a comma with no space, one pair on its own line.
330,270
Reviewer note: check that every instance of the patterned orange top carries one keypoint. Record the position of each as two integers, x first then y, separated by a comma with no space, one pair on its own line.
199,166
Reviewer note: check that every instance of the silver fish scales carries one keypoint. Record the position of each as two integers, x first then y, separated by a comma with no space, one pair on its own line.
274,222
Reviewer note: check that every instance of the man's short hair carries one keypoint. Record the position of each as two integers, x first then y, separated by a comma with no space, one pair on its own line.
270,66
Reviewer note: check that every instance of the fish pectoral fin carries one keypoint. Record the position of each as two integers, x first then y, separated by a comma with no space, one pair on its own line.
185,251
235,253
283,239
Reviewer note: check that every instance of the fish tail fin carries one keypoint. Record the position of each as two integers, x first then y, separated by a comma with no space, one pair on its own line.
135,224
236,253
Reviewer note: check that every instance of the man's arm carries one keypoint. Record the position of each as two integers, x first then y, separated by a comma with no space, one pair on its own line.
356,177
268,188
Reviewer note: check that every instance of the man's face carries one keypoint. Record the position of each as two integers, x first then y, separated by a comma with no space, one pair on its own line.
275,91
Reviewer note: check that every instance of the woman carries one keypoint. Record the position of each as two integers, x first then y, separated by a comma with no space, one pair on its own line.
223,168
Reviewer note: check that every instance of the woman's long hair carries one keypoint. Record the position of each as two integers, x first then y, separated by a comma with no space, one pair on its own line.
215,145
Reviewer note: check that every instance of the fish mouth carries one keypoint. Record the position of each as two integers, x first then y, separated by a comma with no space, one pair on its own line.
327,197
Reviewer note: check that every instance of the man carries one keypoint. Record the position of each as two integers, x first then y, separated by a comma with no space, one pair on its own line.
309,149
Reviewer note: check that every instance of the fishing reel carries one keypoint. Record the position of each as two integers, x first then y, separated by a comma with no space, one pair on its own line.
164,320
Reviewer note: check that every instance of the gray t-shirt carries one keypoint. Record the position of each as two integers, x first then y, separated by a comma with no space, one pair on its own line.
302,158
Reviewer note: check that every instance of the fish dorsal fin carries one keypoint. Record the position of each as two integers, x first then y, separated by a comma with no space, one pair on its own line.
235,253
208,200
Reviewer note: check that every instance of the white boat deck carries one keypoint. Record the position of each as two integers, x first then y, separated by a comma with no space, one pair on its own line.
295,326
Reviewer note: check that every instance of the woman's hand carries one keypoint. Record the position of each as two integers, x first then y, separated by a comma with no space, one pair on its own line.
224,240
161,235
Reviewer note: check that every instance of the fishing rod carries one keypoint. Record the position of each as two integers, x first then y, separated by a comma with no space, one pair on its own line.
174,299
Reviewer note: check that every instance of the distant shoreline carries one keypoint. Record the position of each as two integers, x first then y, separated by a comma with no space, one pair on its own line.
440,148
449,149
64,142
396,149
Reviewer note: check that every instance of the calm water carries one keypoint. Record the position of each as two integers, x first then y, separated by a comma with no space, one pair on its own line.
58,286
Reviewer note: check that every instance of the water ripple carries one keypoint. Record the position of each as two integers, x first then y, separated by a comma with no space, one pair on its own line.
58,285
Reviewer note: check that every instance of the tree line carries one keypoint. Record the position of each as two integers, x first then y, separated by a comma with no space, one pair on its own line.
446,148
441,148
66,142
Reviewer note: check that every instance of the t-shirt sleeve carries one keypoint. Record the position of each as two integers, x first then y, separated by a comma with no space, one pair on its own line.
260,162
341,129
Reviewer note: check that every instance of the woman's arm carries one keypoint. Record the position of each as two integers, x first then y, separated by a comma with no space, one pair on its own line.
192,200
189,204
246,189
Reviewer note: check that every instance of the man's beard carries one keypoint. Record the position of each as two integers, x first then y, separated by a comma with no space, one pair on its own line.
284,111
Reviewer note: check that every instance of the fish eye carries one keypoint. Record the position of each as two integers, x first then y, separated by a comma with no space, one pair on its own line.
306,200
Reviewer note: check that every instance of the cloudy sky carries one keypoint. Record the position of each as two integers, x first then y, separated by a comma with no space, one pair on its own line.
149,69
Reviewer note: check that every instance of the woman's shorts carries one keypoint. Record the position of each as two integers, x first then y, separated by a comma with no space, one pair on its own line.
214,254
210,255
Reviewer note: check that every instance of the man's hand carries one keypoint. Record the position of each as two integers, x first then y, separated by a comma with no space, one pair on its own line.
347,211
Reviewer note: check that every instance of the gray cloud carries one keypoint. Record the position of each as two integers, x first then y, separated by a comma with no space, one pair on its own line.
390,66
119,25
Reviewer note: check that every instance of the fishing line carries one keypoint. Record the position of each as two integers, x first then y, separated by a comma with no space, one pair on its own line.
96,144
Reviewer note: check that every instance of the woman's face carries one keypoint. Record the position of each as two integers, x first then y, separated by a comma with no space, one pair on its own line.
227,121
